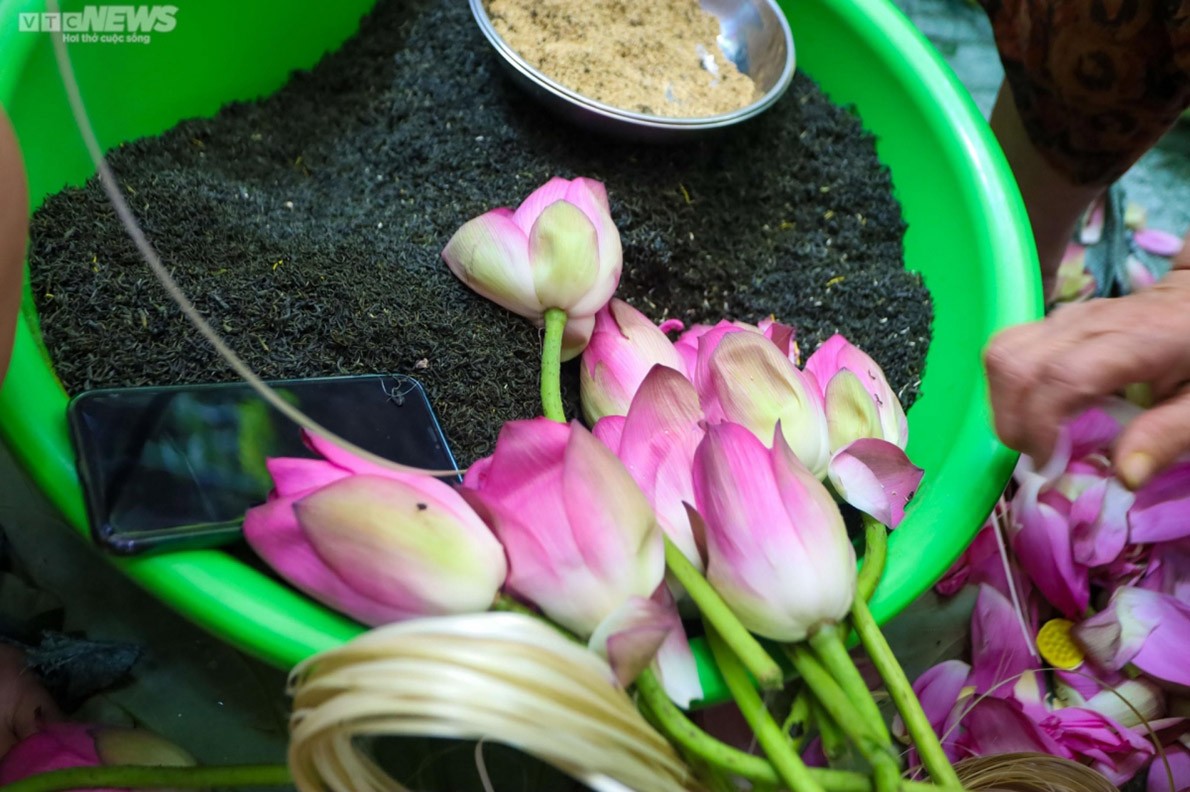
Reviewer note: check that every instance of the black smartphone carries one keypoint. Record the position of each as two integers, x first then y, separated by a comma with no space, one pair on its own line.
168,468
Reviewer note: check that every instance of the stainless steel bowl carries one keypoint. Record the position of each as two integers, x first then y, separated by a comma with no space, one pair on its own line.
754,35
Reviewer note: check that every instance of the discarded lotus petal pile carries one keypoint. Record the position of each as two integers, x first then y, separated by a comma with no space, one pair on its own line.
1081,652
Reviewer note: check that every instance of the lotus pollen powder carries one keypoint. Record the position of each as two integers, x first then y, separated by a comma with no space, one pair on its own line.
657,57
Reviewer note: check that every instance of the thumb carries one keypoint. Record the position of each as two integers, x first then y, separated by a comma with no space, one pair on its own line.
1153,440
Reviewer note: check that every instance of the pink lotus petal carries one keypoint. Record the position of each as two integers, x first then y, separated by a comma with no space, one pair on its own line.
1159,243
531,208
292,476
939,689
1041,540
608,530
757,387
675,665
671,326
476,476
412,545
1159,512
624,348
630,637
609,430
1002,660
1178,757
777,549
660,435
875,477
838,354
664,413
1101,541
783,336
564,257
583,188
1094,429
590,197
490,254
528,450
1114,636
1116,752
342,458
672,491
273,532
999,726
1168,570
56,746
576,336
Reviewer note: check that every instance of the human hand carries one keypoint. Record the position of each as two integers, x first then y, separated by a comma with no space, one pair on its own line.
1042,374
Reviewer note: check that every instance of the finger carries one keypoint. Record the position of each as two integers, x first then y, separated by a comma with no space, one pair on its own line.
1016,360
1182,260
1153,440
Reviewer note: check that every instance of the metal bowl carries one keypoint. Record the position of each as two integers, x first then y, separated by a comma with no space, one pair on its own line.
754,35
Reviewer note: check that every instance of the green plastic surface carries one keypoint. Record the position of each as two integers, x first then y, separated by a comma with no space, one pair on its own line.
968,236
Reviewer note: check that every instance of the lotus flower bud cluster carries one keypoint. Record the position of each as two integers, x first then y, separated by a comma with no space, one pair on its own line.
838,414
552,517
558,249
1102,576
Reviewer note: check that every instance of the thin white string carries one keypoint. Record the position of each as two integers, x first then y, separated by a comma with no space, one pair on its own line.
108,179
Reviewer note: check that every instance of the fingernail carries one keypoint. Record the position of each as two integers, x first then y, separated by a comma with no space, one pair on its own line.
1136,469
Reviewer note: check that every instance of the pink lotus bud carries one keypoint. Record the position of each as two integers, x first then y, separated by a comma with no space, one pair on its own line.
777,549
376,544
559,249
581,538
875,477
751,383
624,346
859,401
700,341
656,443
58,746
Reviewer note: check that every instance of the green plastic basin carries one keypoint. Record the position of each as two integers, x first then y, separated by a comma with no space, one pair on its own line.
968,236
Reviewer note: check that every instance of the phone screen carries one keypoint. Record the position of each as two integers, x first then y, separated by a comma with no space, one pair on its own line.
177,467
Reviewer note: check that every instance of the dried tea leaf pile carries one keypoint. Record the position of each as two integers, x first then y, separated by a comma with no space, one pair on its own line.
308,227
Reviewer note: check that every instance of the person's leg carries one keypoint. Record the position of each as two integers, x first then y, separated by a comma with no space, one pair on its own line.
14,227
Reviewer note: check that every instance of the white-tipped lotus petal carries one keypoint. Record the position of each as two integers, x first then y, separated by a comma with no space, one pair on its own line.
499,677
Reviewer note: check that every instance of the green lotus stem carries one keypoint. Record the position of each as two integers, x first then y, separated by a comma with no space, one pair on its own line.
138,777
717,615
791,770
551,365
834,742
865,734
875,554
692,740
680,730
929,748
800,715
827,644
